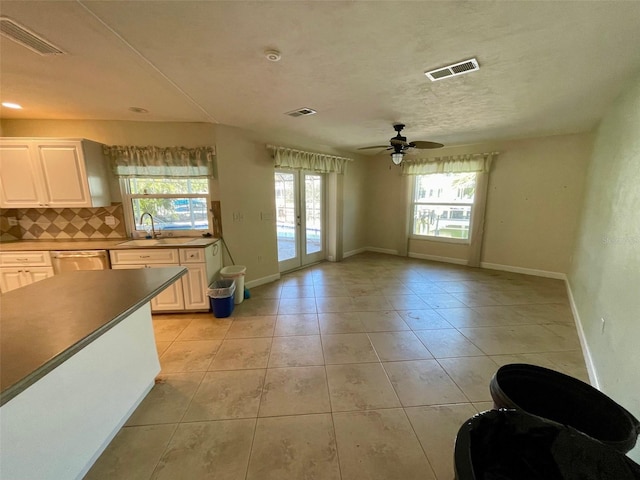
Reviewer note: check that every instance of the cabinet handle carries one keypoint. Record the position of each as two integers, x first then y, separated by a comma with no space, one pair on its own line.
27,271
145,256
215,249
22,259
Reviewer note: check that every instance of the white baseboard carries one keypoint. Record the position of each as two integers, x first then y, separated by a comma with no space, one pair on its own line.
381,250
588,360
261,281
437,258
351,253
526,271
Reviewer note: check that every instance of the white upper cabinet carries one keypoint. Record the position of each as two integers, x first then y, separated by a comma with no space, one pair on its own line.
45,173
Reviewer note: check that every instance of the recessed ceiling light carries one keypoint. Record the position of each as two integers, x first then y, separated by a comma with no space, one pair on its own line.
273,55
138,110
12,105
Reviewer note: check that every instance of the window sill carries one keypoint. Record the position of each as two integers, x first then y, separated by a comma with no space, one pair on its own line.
425,238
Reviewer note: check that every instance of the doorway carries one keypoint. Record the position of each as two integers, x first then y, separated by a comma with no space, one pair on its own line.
299,218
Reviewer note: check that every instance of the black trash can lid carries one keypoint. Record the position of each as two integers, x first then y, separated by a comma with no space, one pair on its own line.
514,445
564,399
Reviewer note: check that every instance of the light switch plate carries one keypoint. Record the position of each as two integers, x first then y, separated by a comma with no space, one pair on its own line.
110,220
13,221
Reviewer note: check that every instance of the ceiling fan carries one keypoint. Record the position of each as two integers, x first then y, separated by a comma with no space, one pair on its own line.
399,145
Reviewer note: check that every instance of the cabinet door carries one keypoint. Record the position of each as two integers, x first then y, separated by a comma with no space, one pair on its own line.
64,175
19,179
170,299
16,277
10,279
35,274
195,287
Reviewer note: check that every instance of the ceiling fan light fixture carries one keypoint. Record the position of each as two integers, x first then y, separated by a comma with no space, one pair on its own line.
396,157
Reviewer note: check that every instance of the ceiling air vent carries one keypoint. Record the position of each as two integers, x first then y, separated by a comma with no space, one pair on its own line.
301,112
16,32
453,70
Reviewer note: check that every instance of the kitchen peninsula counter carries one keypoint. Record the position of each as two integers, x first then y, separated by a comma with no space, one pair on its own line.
45,323
78,355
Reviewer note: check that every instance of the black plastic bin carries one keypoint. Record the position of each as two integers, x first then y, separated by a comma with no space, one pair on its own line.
515,445
566,400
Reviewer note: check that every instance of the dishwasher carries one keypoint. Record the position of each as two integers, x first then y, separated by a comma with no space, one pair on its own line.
71,261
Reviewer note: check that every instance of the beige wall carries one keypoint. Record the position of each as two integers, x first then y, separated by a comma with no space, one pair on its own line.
160,134
605,272
533,203
245,177
354,231
246,184
245,174
385,210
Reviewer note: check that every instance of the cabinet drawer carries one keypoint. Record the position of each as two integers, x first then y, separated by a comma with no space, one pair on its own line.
40,259
144,257
192,255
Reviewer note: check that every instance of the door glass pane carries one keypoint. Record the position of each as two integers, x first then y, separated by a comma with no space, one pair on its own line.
286,215
313,212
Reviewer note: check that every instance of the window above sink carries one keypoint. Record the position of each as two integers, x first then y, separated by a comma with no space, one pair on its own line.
179,206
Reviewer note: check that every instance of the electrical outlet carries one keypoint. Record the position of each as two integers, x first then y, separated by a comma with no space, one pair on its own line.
259,258
13,221
110,220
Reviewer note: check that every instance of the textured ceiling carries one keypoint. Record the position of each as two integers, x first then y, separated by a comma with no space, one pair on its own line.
546,67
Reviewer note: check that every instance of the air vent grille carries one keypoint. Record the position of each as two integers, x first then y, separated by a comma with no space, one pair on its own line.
453,70
26,38
301,112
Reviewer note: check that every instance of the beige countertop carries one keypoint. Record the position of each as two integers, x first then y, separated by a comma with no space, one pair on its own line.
101,244
56,325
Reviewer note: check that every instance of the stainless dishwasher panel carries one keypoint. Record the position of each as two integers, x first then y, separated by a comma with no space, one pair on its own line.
70,261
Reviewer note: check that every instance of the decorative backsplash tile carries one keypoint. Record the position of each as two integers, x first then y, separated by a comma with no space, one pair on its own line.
9,232
63,223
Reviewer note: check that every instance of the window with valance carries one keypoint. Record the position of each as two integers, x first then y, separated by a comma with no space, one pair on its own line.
449,199
284,157
161,162
170,183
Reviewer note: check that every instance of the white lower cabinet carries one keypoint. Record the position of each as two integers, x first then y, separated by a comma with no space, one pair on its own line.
194,286
190,293
171,299
19,269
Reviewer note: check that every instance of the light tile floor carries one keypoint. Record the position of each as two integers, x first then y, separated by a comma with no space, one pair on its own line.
363,369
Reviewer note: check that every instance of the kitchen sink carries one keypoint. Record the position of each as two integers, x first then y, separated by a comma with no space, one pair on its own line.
154,242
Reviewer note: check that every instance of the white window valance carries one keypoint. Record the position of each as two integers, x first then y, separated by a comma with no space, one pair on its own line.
475,162
316,162
161,162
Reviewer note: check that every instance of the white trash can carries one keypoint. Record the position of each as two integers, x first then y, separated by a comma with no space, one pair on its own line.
235,272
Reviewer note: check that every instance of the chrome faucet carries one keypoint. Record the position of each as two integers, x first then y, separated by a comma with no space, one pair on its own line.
153,228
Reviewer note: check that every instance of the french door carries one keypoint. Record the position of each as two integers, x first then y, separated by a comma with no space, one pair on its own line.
299,218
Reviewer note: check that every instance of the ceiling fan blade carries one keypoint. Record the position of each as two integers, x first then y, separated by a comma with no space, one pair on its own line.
376,146
424,144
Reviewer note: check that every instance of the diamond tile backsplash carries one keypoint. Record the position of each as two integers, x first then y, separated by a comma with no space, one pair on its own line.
62,223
